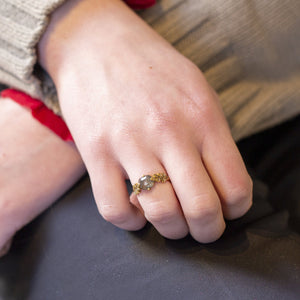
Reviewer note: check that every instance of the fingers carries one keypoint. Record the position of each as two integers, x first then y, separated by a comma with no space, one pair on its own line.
112,198
160,204
203,188
228,172
189,203
195,191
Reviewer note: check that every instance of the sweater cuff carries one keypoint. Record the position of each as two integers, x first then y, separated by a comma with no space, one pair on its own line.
22,24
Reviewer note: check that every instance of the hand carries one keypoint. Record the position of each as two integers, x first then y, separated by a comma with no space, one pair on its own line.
136,106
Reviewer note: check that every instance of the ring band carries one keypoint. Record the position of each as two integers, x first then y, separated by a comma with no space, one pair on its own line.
146,182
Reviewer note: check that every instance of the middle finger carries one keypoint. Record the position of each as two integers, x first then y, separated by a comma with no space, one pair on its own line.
198,198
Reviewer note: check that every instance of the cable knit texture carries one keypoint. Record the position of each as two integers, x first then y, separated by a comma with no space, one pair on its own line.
247,49
22,23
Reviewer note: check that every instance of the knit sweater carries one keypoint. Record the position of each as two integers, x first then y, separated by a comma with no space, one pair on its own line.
248,51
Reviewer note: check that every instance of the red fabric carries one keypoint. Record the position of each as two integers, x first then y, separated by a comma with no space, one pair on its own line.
44,115
40,112
140,4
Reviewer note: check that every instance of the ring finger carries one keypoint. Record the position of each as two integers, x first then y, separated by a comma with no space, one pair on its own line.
160,204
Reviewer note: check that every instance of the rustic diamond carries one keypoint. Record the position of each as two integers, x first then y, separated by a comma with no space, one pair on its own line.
145,182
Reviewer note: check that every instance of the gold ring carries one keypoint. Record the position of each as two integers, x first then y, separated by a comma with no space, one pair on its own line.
146,182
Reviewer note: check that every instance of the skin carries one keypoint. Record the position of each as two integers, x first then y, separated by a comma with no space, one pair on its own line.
32,159
136,106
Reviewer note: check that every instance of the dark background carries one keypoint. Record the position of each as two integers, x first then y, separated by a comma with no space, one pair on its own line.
70,252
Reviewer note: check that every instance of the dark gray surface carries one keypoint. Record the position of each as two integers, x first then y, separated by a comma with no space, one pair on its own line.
70,252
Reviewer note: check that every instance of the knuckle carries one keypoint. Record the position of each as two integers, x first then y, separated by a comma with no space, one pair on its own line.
96,139
162,121
205,209
113,215
158,213
122,130
95,146
241,194
124,135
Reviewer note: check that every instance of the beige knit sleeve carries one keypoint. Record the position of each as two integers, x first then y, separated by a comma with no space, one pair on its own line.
22,22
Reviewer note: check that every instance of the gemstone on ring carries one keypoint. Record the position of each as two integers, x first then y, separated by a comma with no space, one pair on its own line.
146,183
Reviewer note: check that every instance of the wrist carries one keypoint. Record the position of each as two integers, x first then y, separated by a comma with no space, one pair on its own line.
79,27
